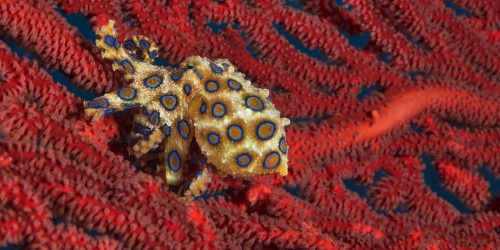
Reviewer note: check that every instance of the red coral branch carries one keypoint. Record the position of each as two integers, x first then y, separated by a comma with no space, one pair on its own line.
435,75
57,44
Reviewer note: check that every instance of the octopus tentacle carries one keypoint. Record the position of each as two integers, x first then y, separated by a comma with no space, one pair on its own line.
141,49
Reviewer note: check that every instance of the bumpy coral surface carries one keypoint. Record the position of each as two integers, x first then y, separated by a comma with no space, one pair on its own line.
393,142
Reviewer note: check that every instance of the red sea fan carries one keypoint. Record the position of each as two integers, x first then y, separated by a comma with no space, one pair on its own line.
424,88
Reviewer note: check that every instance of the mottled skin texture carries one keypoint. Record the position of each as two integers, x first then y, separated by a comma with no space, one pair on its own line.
235,124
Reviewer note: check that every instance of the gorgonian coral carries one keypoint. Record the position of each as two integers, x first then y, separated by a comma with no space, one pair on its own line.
422,88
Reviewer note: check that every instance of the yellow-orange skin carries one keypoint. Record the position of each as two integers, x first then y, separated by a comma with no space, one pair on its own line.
214,86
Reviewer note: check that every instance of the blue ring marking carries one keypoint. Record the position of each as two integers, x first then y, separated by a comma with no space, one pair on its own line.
152,54
98,105
152,86
218,105
129,64
172,107
151,118
209,89
235,138
109,40
187,89
185,136
144,112
203,108
231,82
213,138
198,73
225,65
145,43
186,186
253,108
215,68
165,129
120,93
130,45
131,105
242,157
117,45
178,77
282,145
270,135
170,157
109,111
142,129
270,155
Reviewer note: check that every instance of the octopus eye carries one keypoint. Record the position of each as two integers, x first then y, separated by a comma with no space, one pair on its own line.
190,67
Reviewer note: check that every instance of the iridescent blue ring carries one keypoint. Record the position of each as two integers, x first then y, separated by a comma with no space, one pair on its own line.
170,165
215,68
130,45
171,107
179,76
125,62
223,112
254,108
152,86
270,134
185,136
187,89
233,84
132,96
131,105
165,129
109,40
203,108
282,145
145,43
142,129
243,157
213,138
94,105
271,155
151,118
235,138
198,73
211,89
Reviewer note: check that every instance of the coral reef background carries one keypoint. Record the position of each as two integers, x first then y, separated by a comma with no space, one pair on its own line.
394,140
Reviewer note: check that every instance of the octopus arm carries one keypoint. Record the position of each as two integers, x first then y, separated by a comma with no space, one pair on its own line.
174,156
146,77
124,56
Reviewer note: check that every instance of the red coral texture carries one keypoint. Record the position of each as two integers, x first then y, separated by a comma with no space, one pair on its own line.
433,77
